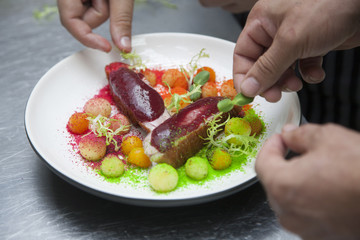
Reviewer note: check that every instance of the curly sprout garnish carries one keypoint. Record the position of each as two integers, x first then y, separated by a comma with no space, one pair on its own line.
192,66
177,99
100,126
135,60
221,141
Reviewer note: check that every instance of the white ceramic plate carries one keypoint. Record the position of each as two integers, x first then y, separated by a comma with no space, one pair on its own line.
70,83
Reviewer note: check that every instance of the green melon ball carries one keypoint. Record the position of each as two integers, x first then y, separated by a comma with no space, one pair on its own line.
112,166
163,177
237,126
196,168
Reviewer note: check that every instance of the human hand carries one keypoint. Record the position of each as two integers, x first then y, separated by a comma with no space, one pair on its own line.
234,6
280,32
316,194
79,17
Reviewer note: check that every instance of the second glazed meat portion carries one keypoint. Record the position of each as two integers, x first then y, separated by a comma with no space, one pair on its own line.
183,135
140,102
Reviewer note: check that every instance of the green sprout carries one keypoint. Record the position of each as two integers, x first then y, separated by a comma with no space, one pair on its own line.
134,59
101,128
165,3
47,12
227,105
176,99
192,66
199,80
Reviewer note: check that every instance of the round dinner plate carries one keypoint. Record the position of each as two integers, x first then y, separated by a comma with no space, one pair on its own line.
66,87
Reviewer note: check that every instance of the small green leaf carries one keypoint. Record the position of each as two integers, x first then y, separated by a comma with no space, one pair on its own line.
242,100
202,77
225,105
195,92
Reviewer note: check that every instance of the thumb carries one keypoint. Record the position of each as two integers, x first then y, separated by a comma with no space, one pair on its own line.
121,12
311,69
269,67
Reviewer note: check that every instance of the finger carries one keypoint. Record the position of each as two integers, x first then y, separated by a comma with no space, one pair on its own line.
270,66
97,14
121,12
82,32
251,44
311,69
288,82
71,13
301,139
272,94
270,158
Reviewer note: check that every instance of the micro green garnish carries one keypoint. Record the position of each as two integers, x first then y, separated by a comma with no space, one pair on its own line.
100,126
134,59
47,12
199,80
239,100
221,141
176,99
192,66
165,3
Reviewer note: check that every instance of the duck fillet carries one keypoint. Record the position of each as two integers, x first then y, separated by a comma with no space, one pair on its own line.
182,135
140,102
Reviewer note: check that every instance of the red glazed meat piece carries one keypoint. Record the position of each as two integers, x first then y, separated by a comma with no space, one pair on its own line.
183,135
113,67
140,102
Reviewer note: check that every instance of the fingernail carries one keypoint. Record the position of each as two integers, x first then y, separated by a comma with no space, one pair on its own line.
289,127
316,79
250,87
125,42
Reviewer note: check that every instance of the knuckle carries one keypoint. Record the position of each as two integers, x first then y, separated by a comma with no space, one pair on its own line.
123,20
287,36
267,65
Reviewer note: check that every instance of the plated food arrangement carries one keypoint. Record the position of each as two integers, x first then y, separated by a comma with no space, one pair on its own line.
183,126
63,110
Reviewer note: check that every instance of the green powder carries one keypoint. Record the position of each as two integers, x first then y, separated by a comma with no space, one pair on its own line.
133,176
236,164
138,177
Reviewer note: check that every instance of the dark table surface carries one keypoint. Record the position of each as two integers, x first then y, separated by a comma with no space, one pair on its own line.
37,204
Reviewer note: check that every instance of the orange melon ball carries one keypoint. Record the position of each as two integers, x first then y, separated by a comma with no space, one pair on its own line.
130,143
181,82
96,106
138,157
150,76
78,123
209,90
92,148
170,76
228,90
